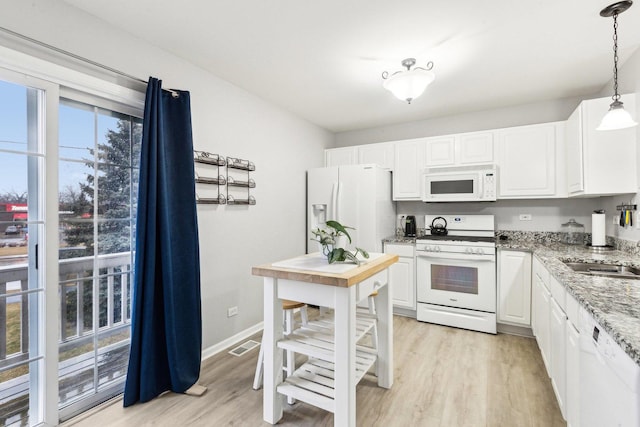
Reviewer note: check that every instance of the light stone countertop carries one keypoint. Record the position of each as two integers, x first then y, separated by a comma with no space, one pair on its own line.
613,303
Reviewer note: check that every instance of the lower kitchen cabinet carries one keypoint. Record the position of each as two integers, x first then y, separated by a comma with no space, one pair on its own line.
402,276
557,326
572,395
541,308
514,287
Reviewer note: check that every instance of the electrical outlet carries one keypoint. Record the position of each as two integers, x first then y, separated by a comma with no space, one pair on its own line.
616,220
232,311
525,217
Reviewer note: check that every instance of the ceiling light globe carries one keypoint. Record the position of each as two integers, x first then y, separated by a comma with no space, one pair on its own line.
408,85
617,118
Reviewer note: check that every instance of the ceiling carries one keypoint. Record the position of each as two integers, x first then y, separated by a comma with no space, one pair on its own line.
323,60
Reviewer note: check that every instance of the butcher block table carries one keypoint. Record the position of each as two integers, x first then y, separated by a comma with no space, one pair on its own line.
310,279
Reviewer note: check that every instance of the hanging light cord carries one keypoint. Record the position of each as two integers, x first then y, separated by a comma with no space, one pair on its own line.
615,96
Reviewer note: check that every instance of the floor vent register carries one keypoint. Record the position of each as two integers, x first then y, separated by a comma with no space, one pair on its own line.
245,347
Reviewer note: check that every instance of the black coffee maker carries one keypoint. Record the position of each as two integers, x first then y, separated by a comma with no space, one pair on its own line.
410,226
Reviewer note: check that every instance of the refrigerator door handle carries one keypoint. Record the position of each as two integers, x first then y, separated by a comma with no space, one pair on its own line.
337,202
334,201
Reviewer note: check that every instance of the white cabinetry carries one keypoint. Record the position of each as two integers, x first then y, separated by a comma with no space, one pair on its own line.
377,154
556,336
459,150
541,308
600,162
402,276
557,325
407,170
341,156
528,161
572,399
514,287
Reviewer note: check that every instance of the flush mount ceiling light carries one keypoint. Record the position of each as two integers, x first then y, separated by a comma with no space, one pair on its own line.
617,117
408,84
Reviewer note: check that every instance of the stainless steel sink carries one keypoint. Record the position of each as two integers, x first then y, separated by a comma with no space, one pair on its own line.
604,270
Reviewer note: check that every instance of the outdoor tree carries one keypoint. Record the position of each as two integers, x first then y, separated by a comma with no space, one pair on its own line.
109,190
116,177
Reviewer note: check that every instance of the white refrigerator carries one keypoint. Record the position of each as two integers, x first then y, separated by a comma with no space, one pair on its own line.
357,196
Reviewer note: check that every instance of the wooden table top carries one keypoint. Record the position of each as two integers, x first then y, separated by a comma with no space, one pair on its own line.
346,279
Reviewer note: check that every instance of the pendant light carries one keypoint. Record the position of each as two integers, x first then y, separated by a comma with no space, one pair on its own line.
617,117
409,84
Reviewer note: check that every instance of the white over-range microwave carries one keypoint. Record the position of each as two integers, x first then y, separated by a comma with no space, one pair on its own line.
460,184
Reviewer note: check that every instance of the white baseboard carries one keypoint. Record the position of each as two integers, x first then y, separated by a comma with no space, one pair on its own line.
231,341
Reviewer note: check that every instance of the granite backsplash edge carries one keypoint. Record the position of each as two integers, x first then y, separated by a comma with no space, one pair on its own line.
628,246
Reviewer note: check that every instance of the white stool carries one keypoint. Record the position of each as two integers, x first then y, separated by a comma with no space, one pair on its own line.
288,307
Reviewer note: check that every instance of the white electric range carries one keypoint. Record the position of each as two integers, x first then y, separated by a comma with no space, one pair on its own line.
456,272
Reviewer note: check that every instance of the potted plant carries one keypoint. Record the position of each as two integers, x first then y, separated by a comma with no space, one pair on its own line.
330,239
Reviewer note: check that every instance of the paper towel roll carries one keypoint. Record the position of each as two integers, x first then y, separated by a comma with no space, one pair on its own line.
598,229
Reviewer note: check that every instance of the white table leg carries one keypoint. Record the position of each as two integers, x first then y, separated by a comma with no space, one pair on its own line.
272,401
385,337
345,354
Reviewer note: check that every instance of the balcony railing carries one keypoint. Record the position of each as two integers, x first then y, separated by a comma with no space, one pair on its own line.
93,330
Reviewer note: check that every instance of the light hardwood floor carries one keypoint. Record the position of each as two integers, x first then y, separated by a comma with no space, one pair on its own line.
443,377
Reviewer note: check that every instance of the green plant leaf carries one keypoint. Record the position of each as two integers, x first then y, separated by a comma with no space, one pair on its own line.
352,257
364,253
339,228
336,255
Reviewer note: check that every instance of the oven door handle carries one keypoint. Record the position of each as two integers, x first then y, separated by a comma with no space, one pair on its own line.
456,256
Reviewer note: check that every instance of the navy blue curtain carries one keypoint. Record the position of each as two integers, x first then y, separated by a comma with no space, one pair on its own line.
166,323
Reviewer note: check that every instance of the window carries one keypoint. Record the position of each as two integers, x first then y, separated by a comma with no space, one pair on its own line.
98,174
22,225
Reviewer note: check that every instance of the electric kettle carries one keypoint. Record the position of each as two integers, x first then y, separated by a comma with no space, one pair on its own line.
410,226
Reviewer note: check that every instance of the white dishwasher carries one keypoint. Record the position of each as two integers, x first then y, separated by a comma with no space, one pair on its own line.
609,379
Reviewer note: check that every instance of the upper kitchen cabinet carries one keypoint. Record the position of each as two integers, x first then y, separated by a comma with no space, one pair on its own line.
459,150
377,154
341,156
600,162
531,161
407,169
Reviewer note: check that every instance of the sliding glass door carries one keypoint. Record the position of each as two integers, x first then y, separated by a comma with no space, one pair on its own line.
68,183
98,175
26,352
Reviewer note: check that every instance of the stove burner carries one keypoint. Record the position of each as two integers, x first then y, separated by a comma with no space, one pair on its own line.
458,238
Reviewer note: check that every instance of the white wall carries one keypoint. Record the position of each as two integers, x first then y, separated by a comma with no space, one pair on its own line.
226,120
541,112
628,82
546,215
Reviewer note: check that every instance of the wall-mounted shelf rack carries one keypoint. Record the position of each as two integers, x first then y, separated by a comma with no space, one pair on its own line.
220,180
241,164
247,184
624,207
208,158
220,200
238,178
207,170
249,201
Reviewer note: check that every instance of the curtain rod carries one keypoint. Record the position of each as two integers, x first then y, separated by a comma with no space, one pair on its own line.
80,58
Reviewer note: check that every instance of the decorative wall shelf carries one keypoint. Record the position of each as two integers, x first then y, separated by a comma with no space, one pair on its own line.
236,178
209,158
247,184
241,164
220,200
220,180
239,179
207,167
